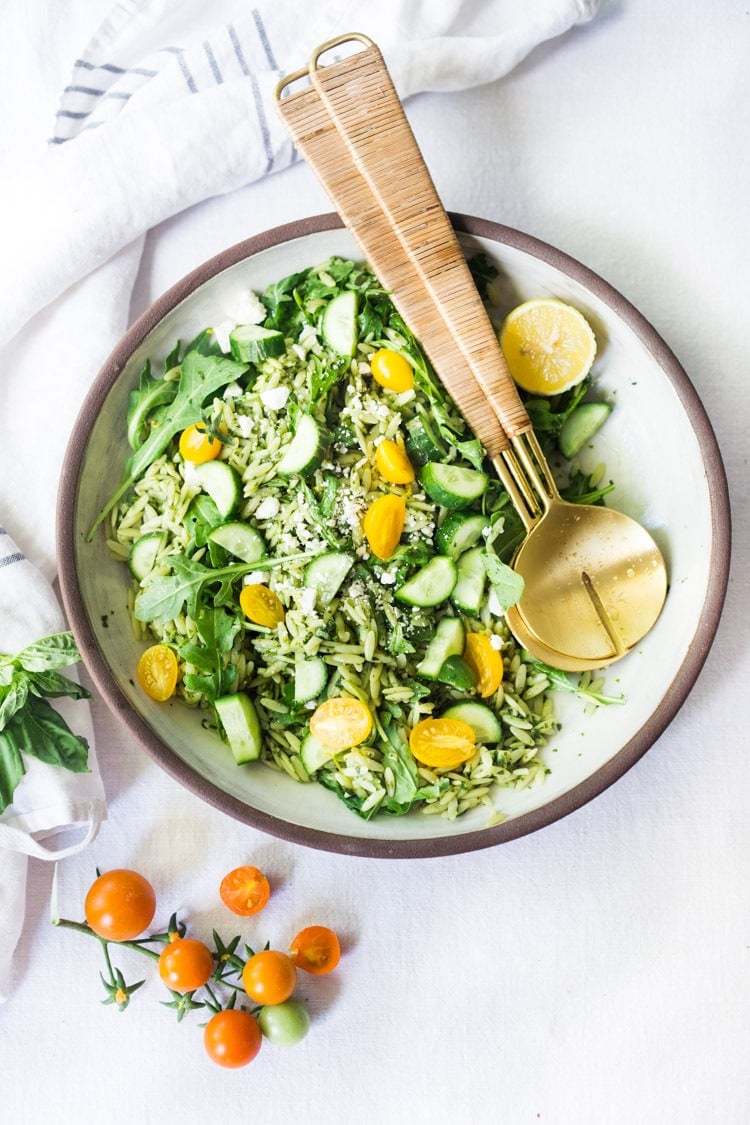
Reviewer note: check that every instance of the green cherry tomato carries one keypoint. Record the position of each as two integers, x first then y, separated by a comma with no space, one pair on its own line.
284,1024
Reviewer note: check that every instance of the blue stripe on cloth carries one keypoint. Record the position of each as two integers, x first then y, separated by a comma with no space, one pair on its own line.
213,63
17,557
263,122
83,90
84,64
235,41
264,39
190,81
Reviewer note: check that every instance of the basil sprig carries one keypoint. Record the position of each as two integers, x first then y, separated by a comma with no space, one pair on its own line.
29,725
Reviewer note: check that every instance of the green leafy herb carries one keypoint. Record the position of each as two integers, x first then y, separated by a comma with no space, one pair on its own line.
507,583
29,725
581,687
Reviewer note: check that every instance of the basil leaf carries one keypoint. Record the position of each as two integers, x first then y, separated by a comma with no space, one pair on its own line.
41,732
56,651
12,768
14,698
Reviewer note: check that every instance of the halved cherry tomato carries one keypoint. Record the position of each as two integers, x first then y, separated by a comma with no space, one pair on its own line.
393,463
120,905
485,661
442,743
245,890
391,371
316,950
198,446
185,964
157,672
269,977
232,1038
261,605
341,722
383,524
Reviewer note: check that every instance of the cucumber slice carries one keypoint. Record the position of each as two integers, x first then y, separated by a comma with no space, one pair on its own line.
241,726
310,678
143,554
452,486
457,673
471,580
326,573
222,483
423,442
314,754
339,323
240,539
482,720
581,426
448,641
431,585
251,343
459,532
305,452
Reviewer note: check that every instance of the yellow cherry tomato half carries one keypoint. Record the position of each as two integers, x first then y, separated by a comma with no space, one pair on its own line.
485,661
197,446
157,672
393,463
442,743
391,371
383,524
261,605
341,722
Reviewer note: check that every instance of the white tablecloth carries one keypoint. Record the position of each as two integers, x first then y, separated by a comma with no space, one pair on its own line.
596,972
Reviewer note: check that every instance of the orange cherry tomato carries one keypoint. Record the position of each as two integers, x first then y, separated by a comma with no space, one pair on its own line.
245,890
157,672
485,661
442,743
232,1038
341,722
392,371
393,464
197,446
383,524
185,964
316,950
269,977
261,605
120,905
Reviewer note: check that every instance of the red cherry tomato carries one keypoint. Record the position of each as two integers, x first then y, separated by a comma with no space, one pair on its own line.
269,977
232,1038
245,890
120,905
185,964
316,950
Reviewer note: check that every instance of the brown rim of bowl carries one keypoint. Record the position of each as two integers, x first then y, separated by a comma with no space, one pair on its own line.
512,829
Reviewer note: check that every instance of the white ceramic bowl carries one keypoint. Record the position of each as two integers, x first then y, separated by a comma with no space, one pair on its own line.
658,446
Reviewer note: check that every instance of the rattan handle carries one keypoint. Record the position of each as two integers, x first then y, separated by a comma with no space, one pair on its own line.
368,114
316,134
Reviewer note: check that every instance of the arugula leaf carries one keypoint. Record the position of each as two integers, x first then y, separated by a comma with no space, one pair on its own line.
561,681
507,583
213,677
200,376
483,272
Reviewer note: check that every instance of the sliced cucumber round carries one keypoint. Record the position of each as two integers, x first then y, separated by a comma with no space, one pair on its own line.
447,641
252,343
310,678
314,754
339,323
581,426
452,486
423,442
240,539
144,552
431,585
459,532
471,581
326,573
222,483
482,720
305,452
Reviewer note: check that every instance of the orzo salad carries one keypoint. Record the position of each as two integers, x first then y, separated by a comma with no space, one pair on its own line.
319,553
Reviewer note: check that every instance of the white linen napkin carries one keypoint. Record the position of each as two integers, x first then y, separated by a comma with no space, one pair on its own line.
168,105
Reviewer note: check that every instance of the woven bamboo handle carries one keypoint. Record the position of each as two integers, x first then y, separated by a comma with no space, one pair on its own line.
369,116
316,135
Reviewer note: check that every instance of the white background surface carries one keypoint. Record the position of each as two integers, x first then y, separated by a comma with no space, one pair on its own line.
595,973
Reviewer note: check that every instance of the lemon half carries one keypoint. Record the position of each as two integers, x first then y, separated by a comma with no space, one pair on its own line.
548,345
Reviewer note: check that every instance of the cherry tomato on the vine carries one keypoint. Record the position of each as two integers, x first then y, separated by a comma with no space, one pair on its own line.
245,890
185,964
269,977
120,905
157,672
316,950
284,1024
232,1038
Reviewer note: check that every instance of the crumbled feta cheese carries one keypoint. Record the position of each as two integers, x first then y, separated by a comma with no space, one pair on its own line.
256,578
191,477
245,425
268,509
232,390
496,642
307,599
249,308
275,398
388,577
222,330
